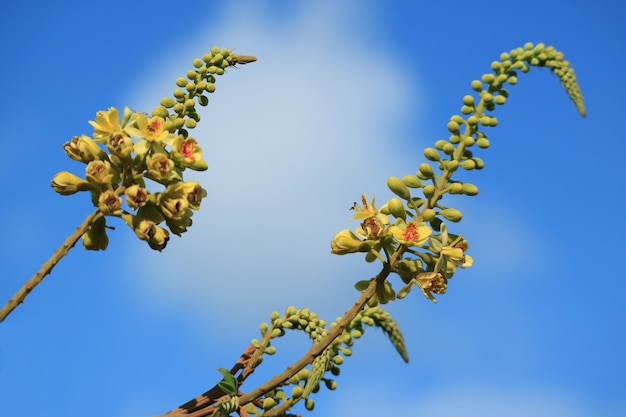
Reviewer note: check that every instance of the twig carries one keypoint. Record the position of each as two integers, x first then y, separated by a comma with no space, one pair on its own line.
46,268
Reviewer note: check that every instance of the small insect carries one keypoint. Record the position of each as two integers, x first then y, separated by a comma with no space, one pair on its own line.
353,206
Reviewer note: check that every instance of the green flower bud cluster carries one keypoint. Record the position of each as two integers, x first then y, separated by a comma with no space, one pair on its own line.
180,112
139,147
308,380
405,229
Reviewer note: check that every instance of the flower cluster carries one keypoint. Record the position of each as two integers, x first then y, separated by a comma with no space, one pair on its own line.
139,147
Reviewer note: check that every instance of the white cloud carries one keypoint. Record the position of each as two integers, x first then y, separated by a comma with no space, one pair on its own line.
291,140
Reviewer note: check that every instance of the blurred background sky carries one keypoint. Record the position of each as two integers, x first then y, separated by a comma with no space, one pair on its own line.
344,95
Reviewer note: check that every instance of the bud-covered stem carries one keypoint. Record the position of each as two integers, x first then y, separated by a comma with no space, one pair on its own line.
46,268
306,359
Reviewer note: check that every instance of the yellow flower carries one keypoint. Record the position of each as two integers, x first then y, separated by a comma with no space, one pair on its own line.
186,152
160,167
106,123
374,223
411,233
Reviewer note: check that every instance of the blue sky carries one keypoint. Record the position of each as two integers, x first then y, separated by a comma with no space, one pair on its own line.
342,97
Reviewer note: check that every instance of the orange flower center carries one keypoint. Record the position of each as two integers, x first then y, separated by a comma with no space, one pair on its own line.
410,233
187,148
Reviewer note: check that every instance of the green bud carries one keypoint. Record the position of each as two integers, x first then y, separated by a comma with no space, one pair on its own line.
189,103
429,191
191,87
331,384
468,141
451,165
398,188
472,120
428,215
268,403
274,316
296,392
440,144
453,127
346,242
278,332
270,350
66,183
179,95
426,171
396,208
455,188
356,334
479,163
190,123
487,97
454,139
469,100
488,78
203,100
338,359
482,142
467,110
160,111
468,164
470,189
197,63
309,404
431,154
412,181
451,214
167,102
96,237
495,66
181,82
210,87
477,85
212,69
449,148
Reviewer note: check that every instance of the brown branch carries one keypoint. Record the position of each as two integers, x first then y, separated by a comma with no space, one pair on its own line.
46,268
194,408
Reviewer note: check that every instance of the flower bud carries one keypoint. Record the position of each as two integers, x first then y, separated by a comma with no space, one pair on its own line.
470,189
84,149
431,154
428,215
99,172
412,181
66,183
136,196
451,214
398,188
96,237
120,145
109,203
455,188
426,171
347,242
160,167
396,208
268,403
156,236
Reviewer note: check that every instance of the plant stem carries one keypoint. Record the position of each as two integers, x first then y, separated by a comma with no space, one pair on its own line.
46,268
314,352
